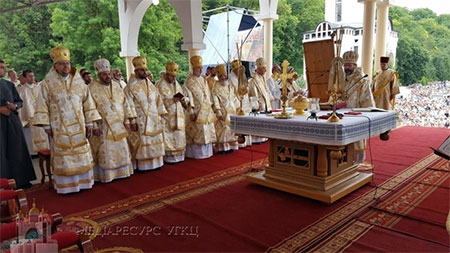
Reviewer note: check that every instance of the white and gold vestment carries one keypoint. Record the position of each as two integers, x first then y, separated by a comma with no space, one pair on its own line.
174,122
66,106
226,104
147,144
110,150
200,134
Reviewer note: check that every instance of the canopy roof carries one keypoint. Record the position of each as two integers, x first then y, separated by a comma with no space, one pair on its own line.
215,39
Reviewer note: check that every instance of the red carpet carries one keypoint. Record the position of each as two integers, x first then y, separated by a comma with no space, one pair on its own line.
208,206
143,183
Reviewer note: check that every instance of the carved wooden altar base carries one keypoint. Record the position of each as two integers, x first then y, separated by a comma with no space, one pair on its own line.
321,172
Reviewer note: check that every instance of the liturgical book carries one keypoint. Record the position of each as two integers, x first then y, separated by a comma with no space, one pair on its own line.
444,149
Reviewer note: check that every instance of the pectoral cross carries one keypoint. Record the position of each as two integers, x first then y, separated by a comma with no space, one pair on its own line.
284,76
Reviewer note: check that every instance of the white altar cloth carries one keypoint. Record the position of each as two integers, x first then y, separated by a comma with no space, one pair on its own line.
350,129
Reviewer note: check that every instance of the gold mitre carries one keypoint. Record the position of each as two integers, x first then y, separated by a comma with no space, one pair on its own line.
260,63
235,64
220,70
139,62
102,65
172,68
59,54
350,57
196,61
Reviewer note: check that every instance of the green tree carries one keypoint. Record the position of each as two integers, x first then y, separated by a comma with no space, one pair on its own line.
24,40
90,29
412,60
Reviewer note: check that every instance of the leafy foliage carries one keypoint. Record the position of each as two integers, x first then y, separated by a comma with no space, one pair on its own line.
90,28
424,45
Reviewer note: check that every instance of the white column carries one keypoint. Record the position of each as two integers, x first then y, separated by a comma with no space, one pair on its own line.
268,45
367,41
131,14
267,14
129,66
190,16
382,29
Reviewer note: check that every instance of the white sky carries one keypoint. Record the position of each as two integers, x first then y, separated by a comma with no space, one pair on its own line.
438,6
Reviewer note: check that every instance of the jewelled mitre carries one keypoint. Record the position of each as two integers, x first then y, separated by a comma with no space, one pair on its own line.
220,70
172,68
59,54
139,62
102,65
350,57
196,61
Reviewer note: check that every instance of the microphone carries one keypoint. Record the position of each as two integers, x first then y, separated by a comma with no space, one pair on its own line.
317,77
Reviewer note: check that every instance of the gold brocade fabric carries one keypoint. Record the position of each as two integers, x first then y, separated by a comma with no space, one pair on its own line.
359,95
245,101
226,102
202,130
258,88
29,95
147,142
174,122
110,150
358,90
66,106
384,87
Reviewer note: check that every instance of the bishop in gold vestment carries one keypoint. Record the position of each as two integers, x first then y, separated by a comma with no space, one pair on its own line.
357,92
147,144
384,86
174,122
109,141
200,131
66,111
226,103
237,69
259,91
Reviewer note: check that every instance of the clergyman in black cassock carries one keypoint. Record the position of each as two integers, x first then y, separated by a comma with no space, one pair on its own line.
15,160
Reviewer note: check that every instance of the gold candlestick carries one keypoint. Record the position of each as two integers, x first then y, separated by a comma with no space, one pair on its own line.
335,95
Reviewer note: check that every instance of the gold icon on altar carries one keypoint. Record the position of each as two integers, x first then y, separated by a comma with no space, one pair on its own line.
284,76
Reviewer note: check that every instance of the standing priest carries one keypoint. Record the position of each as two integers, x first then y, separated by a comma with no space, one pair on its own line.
15,161
356,89
226,104
174,122
200,132
66,111
147,143
109,143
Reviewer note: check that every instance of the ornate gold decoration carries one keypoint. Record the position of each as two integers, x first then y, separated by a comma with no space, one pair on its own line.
284,76
300,104
139,62
59,54
336,155
196,61
242,79
172,68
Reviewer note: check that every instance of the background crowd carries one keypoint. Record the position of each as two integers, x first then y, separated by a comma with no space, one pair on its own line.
425,105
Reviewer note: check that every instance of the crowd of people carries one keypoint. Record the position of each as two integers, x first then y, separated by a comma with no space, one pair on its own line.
97,127
426,106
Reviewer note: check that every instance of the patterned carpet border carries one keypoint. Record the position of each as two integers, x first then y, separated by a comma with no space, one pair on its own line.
305,237
388,212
